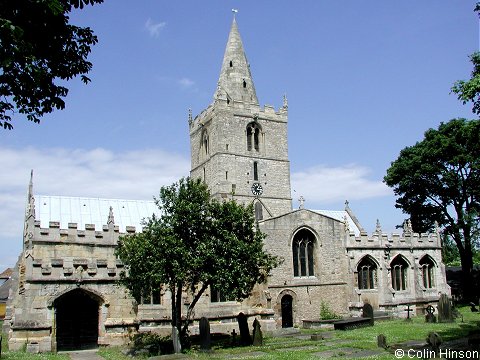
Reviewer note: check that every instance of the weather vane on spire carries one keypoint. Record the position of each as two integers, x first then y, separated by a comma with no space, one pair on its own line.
234,11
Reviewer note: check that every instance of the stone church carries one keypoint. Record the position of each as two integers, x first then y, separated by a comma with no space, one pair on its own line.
66,296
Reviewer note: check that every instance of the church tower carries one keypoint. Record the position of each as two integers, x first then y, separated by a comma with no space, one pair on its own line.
237,148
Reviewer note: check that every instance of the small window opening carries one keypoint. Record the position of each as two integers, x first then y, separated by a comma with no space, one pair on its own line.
228,101
255,170
253,137
231,63
226,175
244,84
258,211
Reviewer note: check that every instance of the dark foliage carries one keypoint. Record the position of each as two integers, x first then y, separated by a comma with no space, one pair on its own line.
38,49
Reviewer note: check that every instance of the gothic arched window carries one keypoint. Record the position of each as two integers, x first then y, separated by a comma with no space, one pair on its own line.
367,273
302,248
205,143
399,268
253,137
427,266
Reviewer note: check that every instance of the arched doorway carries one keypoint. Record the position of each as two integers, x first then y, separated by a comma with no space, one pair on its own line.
76,316
287,311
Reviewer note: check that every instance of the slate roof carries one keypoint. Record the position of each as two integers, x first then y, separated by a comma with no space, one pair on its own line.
6,274
340,216
4,290
82,210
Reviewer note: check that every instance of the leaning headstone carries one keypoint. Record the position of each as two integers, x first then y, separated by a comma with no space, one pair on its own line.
257,333
245,338
434,340
368,312
382,341
177,346
473,307
205,340
444,309
430,318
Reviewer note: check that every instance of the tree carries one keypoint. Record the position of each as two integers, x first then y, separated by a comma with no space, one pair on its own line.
197,242
38,47
438,180
469,91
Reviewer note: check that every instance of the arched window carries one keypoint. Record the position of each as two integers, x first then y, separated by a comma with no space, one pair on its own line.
303,259
367,273
253,137
427,266
399,269
205,143
258,211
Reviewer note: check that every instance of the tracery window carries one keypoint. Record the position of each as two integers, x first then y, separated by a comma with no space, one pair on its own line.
399,271
427,268
253,137
303,257
367,273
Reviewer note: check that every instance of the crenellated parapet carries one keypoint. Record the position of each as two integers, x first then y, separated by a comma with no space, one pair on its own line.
395,240
74,255
406,240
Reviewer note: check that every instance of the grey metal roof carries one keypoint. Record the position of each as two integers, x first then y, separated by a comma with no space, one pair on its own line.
340,216
82,210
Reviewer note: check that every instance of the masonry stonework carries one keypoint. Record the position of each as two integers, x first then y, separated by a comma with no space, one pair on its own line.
66,293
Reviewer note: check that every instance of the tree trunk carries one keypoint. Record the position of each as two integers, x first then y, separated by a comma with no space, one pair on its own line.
178,312
466,258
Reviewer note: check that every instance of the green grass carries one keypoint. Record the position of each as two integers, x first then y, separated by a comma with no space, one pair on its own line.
276,348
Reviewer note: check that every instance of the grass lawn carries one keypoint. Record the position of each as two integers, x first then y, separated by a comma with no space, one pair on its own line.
300,347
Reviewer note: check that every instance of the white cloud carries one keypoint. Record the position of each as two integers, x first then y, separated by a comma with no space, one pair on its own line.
154,28
78,172
186,83
327,185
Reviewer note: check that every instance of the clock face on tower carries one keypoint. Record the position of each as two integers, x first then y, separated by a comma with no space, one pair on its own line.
257,189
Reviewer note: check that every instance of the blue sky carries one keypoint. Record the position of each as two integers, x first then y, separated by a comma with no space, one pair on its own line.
363,80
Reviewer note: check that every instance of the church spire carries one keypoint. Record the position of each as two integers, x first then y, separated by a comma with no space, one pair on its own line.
235,82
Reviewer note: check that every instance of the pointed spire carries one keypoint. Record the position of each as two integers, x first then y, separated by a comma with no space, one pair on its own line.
235,82
30,199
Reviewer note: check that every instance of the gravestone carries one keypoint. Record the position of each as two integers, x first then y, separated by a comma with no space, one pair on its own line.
205,340
234,337
367,312
0,345
445,313
430,318
382,341
473,307
245,338
257,333
434,340
177,346
408,310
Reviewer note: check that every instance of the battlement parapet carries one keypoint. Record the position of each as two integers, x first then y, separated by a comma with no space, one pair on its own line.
379,239
239,108
108,234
